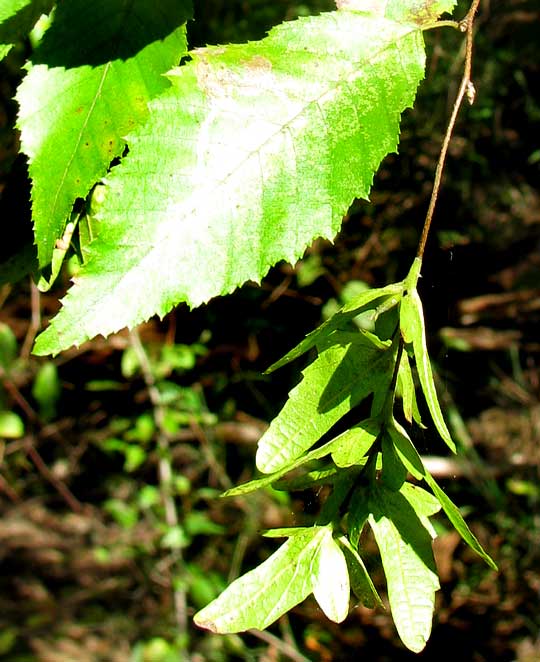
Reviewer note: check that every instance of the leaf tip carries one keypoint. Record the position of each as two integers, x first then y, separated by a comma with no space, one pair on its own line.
204,623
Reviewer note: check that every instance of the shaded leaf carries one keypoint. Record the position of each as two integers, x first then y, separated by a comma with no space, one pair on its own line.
359,511
340,319
458,522
360,581
405,450
59,253
267,480
423,503
394,472
346,371
315,478
254,151
413,331
262,595
17,18
341,490
352,445
88,85
407,392
8,347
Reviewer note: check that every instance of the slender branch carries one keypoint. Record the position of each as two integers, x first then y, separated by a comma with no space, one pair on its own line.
6,488
35,320
466,88
283,647
165,473
13,390
61,487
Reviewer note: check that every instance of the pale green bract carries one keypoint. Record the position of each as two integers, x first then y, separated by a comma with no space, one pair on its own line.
409,566
261,596
311,561
330,579
412,326
254,151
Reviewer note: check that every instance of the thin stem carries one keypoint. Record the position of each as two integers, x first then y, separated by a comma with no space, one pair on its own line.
283,647
61,487
466,25
442,24
35,321
165,473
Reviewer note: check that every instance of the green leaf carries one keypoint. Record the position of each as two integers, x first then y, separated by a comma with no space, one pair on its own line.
341,490
358,514
406,391
46,390
423,503
88,85
360,581
408,563
348,369
262,595
59,253
413,331
286,531
315,478
405,450
340,319
17,18
352,445
394,472
11,425
330,579
267,480
8,347
424,12
347,447
458,522
254,151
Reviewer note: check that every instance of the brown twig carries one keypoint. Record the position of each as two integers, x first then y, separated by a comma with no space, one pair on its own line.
60,487
6,488
17,396
466,88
